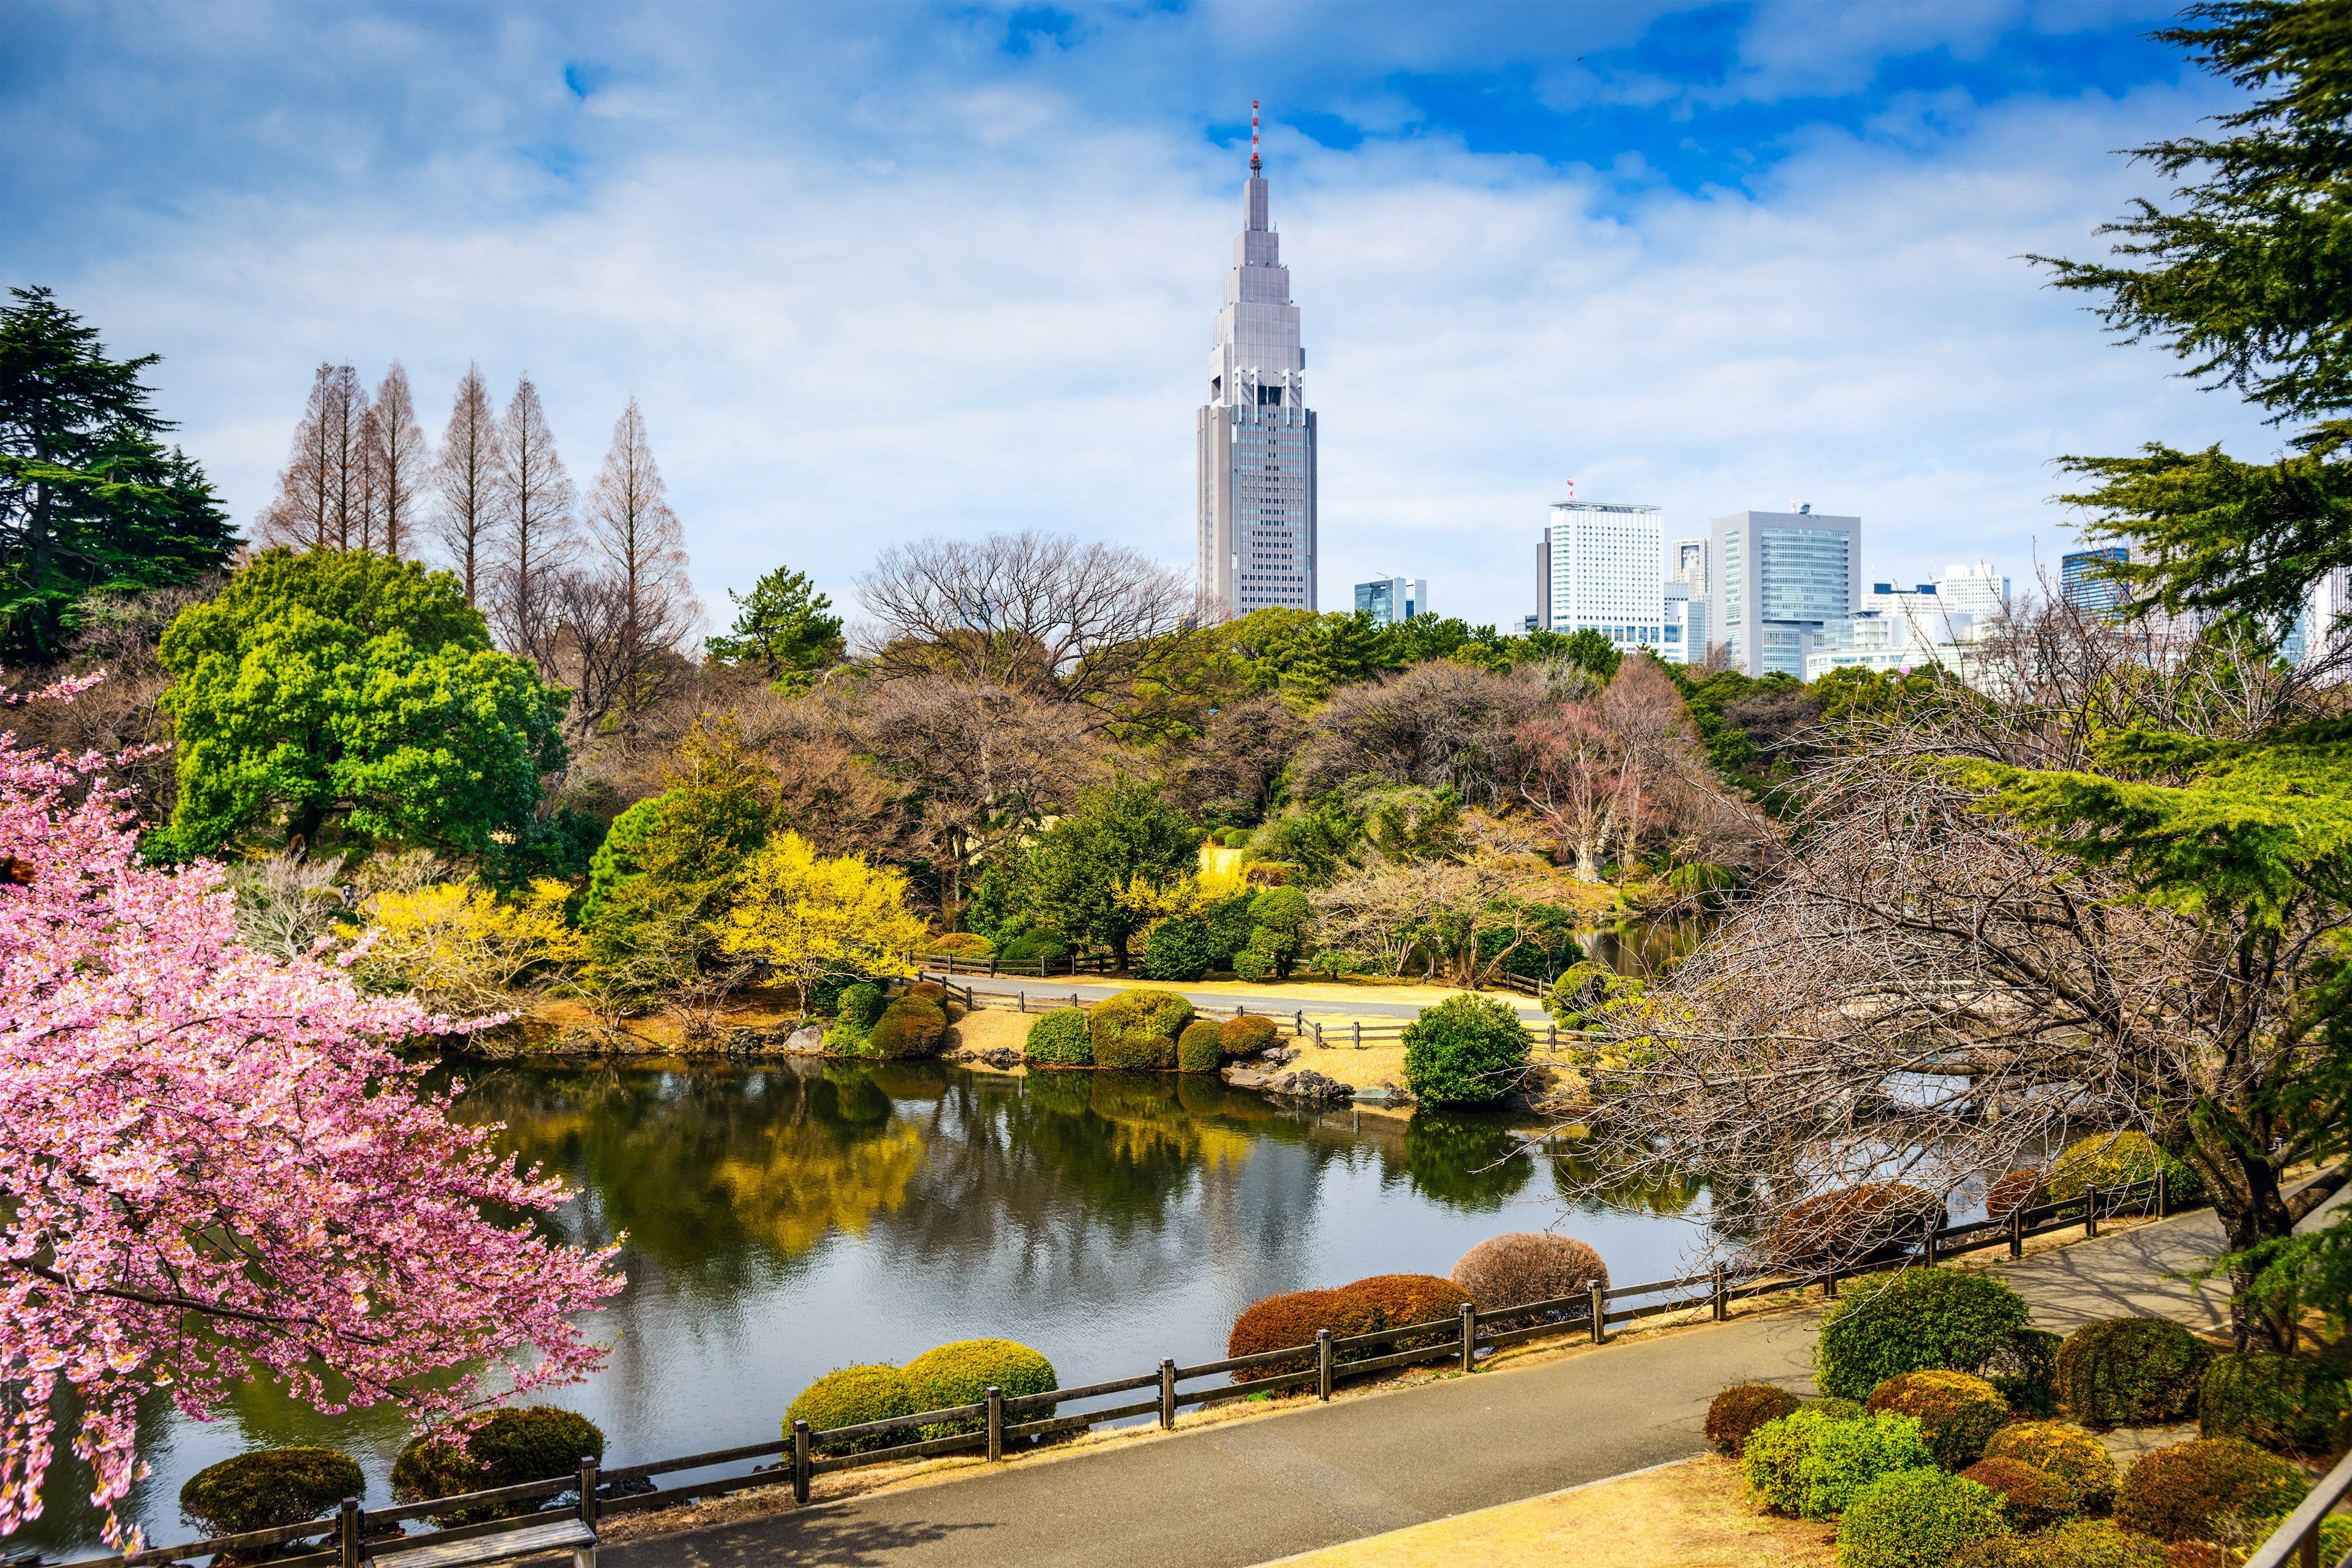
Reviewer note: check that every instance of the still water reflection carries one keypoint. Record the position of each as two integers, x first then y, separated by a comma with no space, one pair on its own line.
783,1220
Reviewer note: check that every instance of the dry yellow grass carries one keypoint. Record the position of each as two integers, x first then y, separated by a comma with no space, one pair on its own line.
1689,1515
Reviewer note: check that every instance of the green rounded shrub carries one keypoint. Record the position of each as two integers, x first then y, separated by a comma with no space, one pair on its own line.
1253,966
264,1490
1913,1320
2275,1401
2029,1495
1248,1034
1836,1409
2075,1457
851,1396
910,1027
1813,1465
2114,1159
1466,1050
2025,1370
1917,1518
1957,1412
1138,1029
2130,1372
1059,1040
963,945
1179,950
508,1448
2077,1543
2194,1489
1200,1048
860,1005
1033,946
1743,1407
963,1372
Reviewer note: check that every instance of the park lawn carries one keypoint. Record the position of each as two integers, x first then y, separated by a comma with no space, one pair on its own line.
1690,1515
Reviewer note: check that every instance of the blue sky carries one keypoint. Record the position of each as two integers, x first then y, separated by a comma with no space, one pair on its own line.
876,271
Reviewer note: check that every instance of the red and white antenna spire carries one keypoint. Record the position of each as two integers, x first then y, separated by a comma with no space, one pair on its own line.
1254,162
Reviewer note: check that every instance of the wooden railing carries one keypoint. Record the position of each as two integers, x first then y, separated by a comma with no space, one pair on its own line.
2297,1536
1459,1339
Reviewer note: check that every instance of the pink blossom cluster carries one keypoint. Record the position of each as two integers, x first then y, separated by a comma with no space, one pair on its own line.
211,1168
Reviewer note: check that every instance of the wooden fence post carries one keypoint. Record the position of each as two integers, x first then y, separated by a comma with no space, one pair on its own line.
1829,1284
1927,1244
1318,1033
1722,1296
347,1531
1469,1336
2090,1211
1024,1000
1323,1365
800,1463
1298,1027
995,1398
1551,1039
588,1491
2017,1231
1600,1296
1167,1394
2163,1192
1359,1028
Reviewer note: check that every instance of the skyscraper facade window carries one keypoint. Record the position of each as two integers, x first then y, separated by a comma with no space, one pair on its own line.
1389,600
1686,564
2083,581
1778,577
1599,568
1258,546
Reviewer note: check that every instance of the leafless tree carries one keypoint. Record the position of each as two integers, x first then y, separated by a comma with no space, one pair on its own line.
401,462
624,615
467,477
1443,911
1438,724
1568,777
537,528
322,499
1030,612
1248,744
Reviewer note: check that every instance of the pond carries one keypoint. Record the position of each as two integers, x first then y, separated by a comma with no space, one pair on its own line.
784,1219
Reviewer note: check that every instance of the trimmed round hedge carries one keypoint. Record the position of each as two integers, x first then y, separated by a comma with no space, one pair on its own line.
1200,1048
2113,1159
860,1005
1918,1519
1248,1034
1915,1320
1402,1299
264,1490
963,945
1466,1050
2077,1543
1138,1029
1059,1040
2275,1401
2076,1457
2192,1490
851,1396
506,1449
1511,1270
1851,1222
1813,1465
1957,1412
911,1025
963,1372
2029,1495
1183,949
2014,1190
1034,946
1743,1407
1278,1322
2130,1372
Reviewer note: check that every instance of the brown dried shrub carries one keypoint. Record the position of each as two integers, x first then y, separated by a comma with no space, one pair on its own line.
1851,1221
1278,1322
1743,1407
1507,1271
2029,1495
2014,1190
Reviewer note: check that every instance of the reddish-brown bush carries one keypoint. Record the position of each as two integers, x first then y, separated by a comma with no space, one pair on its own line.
1403,1299
1292,1318
2029,1495
2014,1190
2201,1554
1507,1271
2187,1491
1851,1221
1743,1407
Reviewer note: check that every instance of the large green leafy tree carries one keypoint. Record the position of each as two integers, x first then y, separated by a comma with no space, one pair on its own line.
784,626
89,496
343,689
1121,833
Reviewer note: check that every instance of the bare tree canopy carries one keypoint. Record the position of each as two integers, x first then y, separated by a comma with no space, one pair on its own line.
324,493
403,464
1249,743
1438,725
623,616
536,527
467,479
1034,612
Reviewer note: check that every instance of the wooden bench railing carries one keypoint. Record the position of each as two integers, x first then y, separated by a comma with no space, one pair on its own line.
1459,1339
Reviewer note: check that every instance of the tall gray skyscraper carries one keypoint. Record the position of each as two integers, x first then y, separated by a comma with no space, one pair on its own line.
1257,545
1779,576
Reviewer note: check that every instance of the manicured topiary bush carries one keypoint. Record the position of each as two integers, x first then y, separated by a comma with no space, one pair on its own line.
1466,1050
1913,1320
2130,1372
1743,1407
1851,1222
2073,1456
1813,1465
2113,1159
508,1448
2076,1543
851,1396
1200,1048
1278,1322
2014,1190
1051,948
1253,965
1917,1518
1402,1299
1507,1271
1059,1040
2275,1401
1138,1029
963,945
1833,1408
263,1490
1179,950
2029,1495
2025,1369
924,990
2193,1490
1957,1412
910,1027
961,1374
860,1005
1248,1034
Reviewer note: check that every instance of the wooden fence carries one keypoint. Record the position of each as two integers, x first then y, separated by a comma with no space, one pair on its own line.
1000,1418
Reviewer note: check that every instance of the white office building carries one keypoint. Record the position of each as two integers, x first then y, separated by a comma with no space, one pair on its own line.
1389,600
1258,503
1889,642
1598,568
1686,564
1778,577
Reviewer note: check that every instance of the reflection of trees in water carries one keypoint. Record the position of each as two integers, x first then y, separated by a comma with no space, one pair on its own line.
1467,1162
1583,1183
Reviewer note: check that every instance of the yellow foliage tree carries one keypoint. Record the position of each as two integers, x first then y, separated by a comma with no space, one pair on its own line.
809,916
461,950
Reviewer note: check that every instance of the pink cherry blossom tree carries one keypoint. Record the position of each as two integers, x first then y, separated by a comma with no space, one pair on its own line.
213,1167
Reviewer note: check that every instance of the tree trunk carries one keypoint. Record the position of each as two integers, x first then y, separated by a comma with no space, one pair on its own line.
2247,1222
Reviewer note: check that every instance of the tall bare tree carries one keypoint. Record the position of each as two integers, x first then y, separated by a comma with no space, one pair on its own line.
539,531
628,611
1036,611
467,479
401,462
322,492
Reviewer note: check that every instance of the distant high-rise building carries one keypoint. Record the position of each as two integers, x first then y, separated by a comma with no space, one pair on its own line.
1258,509
1978,594
2083,579
1389,600
1598,568
1779,576
1686,564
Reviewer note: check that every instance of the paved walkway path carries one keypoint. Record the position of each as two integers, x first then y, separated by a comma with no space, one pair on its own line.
1224,1496
1274,1003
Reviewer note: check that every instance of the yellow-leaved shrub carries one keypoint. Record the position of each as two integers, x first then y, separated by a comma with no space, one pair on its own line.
462,950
